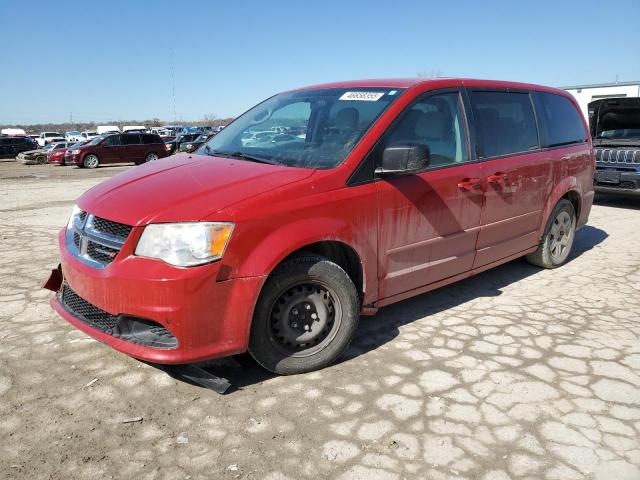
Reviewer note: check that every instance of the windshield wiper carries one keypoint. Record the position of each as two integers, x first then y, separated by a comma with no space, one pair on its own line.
241,156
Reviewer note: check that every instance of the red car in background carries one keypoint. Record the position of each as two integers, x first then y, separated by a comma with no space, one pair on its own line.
118,148
320,205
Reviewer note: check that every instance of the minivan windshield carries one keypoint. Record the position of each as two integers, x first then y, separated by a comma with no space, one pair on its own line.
307,128
620,133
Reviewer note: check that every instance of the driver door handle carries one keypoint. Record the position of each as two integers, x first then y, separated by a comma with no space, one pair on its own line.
469,184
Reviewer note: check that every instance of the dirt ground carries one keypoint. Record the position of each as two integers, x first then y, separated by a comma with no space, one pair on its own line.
517,373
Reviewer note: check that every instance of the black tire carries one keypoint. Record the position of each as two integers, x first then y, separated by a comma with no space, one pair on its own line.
559,234
151,157
91,161
41,159
306,316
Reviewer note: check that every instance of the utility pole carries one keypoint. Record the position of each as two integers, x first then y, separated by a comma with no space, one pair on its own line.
173,85
71,119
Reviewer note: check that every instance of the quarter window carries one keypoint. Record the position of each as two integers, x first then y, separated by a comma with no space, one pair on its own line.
560,123
435,121
505,122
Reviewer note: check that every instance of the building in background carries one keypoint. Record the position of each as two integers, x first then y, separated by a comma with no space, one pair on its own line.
586,94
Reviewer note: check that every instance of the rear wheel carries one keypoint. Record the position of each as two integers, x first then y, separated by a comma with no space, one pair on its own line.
91,161
151,157
558,237
306,316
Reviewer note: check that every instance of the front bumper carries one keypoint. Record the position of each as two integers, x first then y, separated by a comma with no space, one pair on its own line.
209,318
73,159
623,183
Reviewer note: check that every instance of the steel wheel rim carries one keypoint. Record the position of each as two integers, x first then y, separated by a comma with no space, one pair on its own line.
304,318
151,157
560,236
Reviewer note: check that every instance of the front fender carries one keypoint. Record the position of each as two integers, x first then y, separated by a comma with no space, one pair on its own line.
283,241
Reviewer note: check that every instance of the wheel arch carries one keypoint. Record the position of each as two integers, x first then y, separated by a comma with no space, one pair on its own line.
332,239
568,188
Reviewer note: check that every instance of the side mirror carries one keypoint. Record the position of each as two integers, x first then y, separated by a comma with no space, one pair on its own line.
404,158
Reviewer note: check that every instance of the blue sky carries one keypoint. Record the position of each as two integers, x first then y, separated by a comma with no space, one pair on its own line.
112,60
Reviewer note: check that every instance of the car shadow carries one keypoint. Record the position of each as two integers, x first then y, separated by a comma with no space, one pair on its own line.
375,331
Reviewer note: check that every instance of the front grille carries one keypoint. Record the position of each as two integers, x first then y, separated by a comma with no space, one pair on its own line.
101,253
96,241
86,312
618,155
112,228
131,329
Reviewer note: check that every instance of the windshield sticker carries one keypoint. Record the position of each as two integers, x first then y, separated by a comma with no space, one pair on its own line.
363,96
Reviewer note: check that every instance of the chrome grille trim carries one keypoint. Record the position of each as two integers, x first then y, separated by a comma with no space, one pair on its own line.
83,241
628,156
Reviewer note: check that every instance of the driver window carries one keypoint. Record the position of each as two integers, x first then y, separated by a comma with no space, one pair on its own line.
286,124
436,121
111,141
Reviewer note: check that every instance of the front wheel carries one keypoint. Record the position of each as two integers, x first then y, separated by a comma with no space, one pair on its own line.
306,316
558,237
91,161
41,159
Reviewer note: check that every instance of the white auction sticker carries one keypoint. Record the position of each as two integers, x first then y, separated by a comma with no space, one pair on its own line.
364,96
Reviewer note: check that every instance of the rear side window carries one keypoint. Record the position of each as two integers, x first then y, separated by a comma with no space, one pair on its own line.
560,122
505,122
147,139
131,139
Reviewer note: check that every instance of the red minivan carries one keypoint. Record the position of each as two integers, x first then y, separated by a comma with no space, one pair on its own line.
320,205
118,148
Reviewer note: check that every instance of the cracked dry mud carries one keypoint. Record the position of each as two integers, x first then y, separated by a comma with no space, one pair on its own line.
517,373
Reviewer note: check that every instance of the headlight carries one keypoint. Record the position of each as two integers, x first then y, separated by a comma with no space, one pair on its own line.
185,244
75,213
75,152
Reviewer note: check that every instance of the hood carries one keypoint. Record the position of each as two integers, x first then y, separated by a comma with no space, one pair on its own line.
33,152
183,188
619,117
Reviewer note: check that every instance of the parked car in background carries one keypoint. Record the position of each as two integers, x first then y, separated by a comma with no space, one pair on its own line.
34,137
13,132
88,135
174,129
173,145
73,136
134,129
398,187
118,148
102,129
39,156
57,156
188,130
48,137
193,145
10,147
615,130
